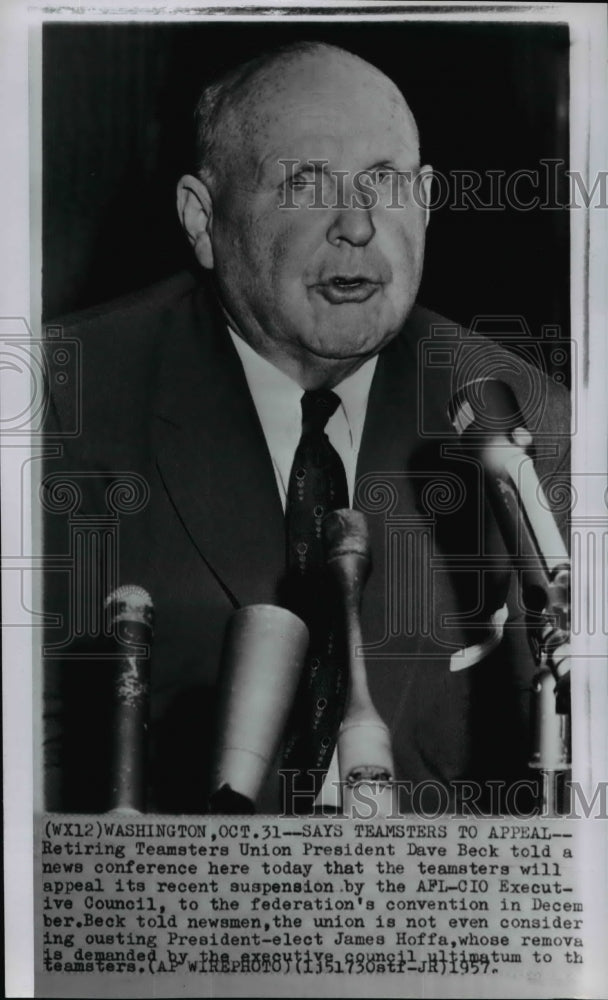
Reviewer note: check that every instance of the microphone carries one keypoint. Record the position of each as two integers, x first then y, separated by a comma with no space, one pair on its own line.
131,617
487,417
364,745
262,658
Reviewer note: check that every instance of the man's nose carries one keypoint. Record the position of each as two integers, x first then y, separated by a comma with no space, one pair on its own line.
352,225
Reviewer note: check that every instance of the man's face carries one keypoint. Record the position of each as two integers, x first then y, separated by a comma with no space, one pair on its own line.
317,240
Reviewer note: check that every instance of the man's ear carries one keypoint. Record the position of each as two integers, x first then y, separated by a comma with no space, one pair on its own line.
425,188
195,210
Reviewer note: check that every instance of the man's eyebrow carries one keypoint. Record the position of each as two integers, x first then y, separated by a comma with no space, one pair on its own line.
283,168
390,164
314,165
382,165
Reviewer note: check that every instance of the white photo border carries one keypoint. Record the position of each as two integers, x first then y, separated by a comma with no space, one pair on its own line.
21,249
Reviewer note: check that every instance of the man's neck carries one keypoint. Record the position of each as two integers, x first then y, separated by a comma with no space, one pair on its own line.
320,373
309,371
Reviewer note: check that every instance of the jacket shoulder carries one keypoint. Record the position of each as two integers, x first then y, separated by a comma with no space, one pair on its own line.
128,312
114,350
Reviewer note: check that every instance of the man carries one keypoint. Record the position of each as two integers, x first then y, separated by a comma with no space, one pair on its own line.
307,215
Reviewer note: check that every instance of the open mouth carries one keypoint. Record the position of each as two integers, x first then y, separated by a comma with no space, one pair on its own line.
348,288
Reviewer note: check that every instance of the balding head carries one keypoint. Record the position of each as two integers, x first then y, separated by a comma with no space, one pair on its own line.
234,104
314,276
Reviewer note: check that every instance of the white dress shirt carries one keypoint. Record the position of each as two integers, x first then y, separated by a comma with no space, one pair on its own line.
277,399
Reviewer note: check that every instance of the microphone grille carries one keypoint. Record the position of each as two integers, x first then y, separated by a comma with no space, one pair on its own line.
130,603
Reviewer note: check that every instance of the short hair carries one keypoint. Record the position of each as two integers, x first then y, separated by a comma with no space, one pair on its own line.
223,93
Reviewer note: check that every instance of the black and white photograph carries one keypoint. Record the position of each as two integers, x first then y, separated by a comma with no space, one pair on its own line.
305,451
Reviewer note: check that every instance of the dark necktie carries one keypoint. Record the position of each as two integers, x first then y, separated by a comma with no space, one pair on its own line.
317,485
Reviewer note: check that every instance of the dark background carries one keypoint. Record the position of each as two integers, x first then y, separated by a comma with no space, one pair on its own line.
117,112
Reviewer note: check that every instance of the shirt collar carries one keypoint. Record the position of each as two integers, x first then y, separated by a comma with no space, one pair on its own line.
265,380
273,391
354,392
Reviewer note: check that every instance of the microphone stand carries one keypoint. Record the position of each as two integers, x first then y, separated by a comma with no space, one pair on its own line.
486,416
549,637
131,617
364,743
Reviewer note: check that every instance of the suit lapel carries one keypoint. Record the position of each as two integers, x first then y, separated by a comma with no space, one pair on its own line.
399,609
386,487
388,437
213,459
390,429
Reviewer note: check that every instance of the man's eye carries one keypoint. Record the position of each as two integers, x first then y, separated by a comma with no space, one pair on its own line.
301,180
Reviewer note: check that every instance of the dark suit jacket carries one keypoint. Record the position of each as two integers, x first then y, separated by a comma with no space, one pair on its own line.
163,408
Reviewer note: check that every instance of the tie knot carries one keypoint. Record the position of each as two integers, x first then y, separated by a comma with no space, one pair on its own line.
317,407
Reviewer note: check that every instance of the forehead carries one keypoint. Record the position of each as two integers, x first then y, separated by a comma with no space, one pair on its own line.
322,106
